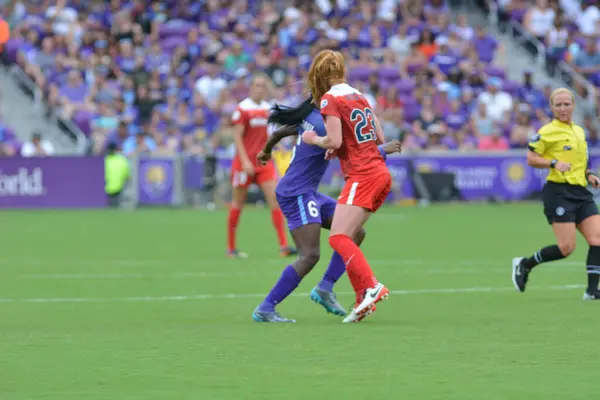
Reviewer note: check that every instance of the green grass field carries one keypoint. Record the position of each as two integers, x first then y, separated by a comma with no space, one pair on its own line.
144,305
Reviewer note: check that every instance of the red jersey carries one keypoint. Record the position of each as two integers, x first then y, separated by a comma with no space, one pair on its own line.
358,153
254,118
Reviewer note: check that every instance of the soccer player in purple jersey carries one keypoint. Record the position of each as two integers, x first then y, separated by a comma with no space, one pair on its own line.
306,210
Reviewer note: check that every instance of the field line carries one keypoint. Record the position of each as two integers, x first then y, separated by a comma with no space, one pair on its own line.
261,295
274,273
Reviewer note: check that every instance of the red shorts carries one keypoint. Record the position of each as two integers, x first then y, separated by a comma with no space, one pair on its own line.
240,179
368,191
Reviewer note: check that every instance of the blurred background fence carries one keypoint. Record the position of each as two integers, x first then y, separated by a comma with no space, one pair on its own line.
78,182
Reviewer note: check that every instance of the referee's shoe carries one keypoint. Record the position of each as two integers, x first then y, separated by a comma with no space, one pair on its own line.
520,274
591,296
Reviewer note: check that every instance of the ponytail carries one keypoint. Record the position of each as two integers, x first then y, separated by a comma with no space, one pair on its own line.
291,116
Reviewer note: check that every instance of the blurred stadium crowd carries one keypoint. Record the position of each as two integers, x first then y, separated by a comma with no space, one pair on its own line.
165,76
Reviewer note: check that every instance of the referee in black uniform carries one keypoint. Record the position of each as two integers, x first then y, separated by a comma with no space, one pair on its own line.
569,206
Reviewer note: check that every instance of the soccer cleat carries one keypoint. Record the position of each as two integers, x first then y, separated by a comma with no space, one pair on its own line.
288,252
372,297
236,254
269,316
520,274
328,300
355,317
591,296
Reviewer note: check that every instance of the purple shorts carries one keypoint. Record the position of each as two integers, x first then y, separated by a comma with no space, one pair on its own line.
309,208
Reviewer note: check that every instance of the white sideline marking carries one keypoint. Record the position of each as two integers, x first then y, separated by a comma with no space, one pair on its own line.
117,275
278,261
183,275
261,295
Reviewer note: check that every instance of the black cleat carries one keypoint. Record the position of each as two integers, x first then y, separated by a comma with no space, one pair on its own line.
591,296
520,274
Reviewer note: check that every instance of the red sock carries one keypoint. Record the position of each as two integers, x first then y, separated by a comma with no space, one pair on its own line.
359,271
279,224
232,222
356,284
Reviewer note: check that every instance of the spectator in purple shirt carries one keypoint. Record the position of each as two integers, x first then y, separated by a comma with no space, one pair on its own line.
455,119
445,59
72,95
126,58
485,45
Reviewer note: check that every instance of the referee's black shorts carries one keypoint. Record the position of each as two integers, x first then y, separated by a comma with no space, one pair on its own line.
568,203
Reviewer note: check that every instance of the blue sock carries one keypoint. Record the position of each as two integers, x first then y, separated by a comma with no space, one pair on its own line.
334,271
286,284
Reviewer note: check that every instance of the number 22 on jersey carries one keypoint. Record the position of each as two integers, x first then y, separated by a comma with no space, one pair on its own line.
364,124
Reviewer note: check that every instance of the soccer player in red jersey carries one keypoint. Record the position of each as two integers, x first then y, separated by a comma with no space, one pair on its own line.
250,119
353,133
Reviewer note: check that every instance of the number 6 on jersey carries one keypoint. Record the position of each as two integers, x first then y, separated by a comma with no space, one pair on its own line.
313,211
364,120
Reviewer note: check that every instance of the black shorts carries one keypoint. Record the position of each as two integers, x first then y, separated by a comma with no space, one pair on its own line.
568,203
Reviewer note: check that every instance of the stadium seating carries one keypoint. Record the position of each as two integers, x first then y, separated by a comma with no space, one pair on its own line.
568,30
174,70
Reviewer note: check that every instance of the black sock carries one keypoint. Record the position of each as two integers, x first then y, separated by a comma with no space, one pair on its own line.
593,268
547,254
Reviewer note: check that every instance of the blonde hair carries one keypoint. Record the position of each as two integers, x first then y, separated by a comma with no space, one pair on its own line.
268,82
327,69
561,90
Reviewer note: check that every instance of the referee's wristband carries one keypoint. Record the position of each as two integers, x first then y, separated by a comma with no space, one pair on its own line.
553,163
588,173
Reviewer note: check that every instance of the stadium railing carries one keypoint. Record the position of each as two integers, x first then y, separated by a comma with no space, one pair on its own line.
37,95
521,36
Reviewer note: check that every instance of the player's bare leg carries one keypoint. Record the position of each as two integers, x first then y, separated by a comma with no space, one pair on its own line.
307,238
268,189
239,195
347,221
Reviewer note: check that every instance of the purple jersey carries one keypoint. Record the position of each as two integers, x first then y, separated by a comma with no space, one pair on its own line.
308,164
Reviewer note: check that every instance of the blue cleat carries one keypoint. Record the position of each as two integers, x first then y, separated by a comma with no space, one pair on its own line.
269,316
328,301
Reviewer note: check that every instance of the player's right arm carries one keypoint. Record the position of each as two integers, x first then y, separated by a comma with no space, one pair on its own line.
333,126
239,122
536,155
276,137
